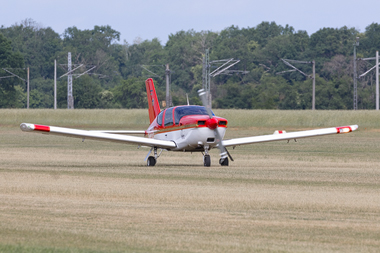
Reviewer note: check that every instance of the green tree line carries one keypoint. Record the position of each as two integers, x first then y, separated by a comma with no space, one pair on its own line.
120,69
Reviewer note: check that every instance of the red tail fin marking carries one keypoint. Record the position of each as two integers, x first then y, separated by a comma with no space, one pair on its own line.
154,105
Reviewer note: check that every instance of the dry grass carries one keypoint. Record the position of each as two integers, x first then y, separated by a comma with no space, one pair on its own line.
58,194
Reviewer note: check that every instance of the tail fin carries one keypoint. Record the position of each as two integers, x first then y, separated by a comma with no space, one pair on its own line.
154,105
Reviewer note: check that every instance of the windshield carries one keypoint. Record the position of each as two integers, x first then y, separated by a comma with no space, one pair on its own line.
181,111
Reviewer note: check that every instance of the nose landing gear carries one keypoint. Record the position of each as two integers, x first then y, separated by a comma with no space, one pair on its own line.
206,157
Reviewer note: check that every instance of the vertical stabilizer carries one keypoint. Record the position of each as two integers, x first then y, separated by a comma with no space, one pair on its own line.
154,105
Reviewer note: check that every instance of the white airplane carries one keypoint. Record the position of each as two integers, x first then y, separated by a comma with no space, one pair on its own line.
187,128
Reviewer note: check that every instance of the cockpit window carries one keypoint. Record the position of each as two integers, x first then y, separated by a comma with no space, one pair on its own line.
188,110
169,117
159,118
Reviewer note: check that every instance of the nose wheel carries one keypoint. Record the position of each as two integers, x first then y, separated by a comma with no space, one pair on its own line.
206,160
206,157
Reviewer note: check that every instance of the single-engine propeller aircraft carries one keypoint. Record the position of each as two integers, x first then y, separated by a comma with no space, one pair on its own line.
187,128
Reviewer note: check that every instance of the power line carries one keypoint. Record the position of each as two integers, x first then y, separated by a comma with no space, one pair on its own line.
286,61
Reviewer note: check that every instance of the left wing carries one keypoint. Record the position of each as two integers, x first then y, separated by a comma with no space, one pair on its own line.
98,135
289,136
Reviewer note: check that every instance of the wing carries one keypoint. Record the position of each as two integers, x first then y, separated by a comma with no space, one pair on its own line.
97,135
278,136
118,131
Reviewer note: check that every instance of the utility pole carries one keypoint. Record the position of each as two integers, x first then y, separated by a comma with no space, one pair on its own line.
206,77
69,74
55,84
356,43
27,78
377,80
222,69
167,74
70,99
377,75
313,106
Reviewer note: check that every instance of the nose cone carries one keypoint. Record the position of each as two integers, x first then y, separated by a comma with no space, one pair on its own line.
212,123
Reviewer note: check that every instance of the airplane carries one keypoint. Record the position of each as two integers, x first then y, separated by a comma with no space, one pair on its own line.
185,128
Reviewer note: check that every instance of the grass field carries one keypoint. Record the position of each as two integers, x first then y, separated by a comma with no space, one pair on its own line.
59,194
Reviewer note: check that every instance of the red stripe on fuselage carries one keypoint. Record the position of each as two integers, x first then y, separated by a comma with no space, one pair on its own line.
42,128
182,127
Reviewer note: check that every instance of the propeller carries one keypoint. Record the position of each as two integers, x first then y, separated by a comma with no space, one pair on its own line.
212,124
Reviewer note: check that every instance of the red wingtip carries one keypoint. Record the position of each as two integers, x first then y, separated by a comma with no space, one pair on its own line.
343,129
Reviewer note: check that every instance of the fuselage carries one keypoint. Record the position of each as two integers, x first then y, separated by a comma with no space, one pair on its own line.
190,127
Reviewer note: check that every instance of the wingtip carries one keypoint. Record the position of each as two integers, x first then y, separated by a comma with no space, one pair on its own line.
346,129
26,127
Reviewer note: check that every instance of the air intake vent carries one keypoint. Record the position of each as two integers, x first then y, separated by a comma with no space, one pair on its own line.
210,140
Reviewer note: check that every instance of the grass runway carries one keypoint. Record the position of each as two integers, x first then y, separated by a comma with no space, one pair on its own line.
60,194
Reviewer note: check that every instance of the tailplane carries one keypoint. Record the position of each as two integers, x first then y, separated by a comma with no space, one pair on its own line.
154,105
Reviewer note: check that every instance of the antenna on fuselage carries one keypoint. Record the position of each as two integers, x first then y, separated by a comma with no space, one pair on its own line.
187,98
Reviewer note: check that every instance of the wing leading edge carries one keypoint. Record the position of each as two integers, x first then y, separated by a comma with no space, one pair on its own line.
97,135
289,136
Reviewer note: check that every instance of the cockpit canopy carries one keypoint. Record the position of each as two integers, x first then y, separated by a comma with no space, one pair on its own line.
179,112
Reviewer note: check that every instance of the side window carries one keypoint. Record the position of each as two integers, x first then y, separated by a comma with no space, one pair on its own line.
176,115
168,117
159,118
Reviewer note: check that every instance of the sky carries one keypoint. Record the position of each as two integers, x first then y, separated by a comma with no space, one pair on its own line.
148,19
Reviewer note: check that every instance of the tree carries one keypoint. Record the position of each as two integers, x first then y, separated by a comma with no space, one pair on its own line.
87,93
94,47
37,45
9,59
130,94
371,40
144,53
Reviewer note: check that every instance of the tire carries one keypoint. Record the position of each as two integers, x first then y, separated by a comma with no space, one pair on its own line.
224,163
207,161
151,161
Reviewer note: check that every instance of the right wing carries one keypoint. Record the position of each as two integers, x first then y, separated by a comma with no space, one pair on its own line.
98,135
118,131
288,136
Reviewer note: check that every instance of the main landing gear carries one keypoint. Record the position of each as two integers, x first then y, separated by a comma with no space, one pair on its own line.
151,160
223,162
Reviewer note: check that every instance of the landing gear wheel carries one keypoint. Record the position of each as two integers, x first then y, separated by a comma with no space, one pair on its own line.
207,161
224,162
151,161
